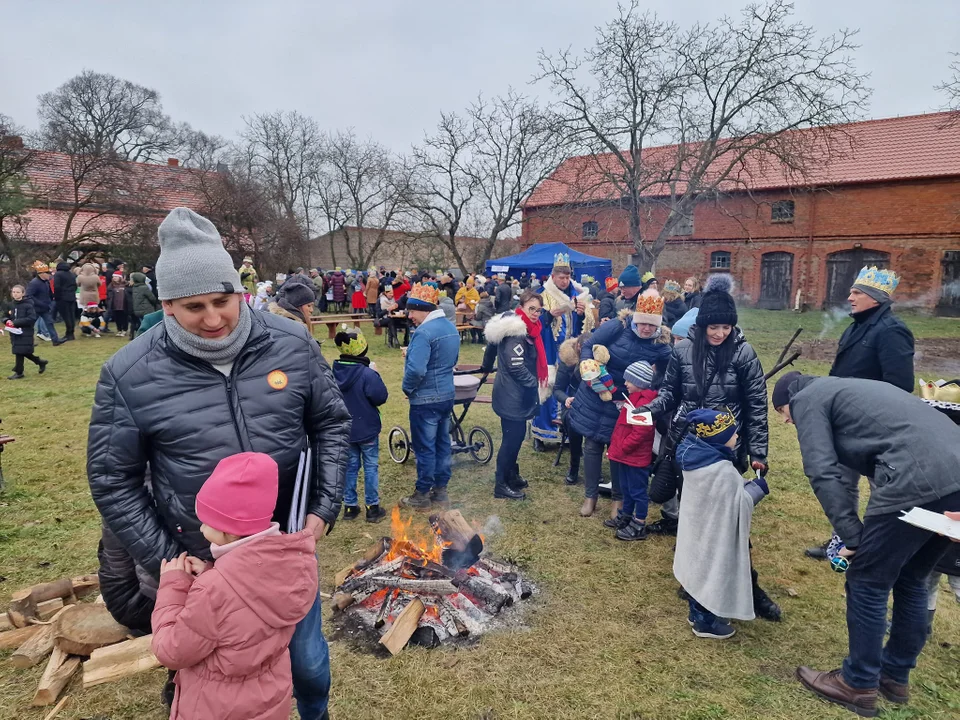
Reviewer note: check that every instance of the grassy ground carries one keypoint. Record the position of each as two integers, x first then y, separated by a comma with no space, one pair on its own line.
607,638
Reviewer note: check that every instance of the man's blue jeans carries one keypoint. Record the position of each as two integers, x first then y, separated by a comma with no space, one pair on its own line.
899,557
369,454
310,663
46,326
430,436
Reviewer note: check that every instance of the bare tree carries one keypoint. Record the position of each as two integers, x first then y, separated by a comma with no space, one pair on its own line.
280,150
366,185
15,191
951,88
197,149
445,184
98,114
722,101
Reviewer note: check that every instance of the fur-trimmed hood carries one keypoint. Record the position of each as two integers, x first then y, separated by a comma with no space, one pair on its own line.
665,338
568,352
507,324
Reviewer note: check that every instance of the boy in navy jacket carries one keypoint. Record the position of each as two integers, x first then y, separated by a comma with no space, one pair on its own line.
363,392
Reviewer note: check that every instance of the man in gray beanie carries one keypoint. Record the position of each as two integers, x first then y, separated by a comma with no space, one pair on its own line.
213,380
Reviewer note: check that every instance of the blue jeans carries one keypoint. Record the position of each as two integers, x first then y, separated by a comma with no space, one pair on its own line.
430,436
899,557
310,663
46,326
633,485
369,453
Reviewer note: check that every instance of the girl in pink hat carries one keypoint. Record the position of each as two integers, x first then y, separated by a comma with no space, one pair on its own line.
226,628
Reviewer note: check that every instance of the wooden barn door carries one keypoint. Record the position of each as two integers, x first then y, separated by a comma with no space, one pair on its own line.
776,280
950,285
842,270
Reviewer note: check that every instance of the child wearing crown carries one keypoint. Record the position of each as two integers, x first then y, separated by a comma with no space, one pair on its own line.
712,560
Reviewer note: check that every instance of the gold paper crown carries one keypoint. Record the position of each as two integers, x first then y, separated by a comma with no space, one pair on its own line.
561,261
650,304
426,293
722,423
40,266
885,281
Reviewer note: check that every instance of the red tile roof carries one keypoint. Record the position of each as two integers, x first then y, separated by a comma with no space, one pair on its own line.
912,147
156,189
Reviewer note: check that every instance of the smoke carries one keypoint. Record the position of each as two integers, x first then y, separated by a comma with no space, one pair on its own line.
492,527
830,319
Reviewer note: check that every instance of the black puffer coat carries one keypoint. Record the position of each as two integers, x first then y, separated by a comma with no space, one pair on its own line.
877,346
516,390
740,387
155,404
673,311
23,316
64,284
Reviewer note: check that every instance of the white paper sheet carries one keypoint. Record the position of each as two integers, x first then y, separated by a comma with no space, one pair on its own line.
932,521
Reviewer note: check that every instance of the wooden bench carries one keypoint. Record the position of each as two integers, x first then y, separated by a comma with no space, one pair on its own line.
465,329
333,323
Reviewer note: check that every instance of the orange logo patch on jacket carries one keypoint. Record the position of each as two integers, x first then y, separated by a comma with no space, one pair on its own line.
277,379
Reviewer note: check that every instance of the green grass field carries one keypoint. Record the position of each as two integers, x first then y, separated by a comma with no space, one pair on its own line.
606,638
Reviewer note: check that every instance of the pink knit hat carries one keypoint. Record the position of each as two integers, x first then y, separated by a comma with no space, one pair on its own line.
241,494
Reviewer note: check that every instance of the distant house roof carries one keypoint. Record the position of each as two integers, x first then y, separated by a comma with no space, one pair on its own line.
903,148
140,188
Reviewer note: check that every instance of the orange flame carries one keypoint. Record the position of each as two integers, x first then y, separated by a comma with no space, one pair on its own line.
413,546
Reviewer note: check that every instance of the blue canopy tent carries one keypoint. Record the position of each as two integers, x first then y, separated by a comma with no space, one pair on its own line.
539,259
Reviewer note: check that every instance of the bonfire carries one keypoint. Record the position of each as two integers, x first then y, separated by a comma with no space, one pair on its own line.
434,589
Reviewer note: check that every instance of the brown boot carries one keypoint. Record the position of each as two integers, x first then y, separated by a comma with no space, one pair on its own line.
831,686
589,505
893,691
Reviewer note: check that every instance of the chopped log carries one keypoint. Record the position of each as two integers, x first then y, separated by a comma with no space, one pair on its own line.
34,650
490,595
5,623
423,587
48,608
395,639
373,555
15,638
447,608
341,576
118,661
496,568
56,710
465,544
23,603
384,612
84,585
342,600
55,677
526,590
358,581
81,629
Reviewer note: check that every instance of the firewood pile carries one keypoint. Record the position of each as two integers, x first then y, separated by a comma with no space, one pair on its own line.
46,622
428,592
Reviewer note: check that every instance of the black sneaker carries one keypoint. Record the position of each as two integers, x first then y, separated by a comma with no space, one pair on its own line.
617,523
764,607
351,512
375,513
43,365
439,496
633,530
817,553
663,526
16,376
572,479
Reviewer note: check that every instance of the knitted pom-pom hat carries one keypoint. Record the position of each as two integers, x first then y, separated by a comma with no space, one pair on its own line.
717,306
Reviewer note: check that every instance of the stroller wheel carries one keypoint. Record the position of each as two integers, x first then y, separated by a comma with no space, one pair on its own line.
398,443
481,445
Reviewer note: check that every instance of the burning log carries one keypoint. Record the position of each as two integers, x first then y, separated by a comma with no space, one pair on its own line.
491,596
423,587
449,613
81,629
464,544
359,581
396,638
526,589
374,554
118,661
385,607
498,569
57,674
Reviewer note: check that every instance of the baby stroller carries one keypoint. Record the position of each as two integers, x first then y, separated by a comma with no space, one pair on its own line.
477,441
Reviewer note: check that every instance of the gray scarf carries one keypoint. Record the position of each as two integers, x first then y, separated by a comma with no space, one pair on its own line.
215,352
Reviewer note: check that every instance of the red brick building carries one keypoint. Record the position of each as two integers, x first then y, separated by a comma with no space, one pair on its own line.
892,200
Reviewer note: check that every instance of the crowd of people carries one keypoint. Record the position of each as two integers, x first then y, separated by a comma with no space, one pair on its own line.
222,446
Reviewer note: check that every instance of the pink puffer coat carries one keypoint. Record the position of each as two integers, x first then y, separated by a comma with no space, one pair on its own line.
227,631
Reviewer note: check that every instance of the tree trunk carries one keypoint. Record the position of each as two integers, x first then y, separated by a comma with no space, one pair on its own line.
81,629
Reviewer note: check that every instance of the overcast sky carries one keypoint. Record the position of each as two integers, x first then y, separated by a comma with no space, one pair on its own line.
388,67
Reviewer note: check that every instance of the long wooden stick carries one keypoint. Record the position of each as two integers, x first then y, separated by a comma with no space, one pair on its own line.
783,353
781,365
56,710
426,587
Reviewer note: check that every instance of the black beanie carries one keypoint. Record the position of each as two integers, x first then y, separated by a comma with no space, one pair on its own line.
716,305
781,391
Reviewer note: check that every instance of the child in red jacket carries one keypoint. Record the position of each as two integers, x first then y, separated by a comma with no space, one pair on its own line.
226,629
631,448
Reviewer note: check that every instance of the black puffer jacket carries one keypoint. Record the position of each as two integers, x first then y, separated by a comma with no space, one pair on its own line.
64,284
740,387
877,346
673,311
155,404
23,316
516,391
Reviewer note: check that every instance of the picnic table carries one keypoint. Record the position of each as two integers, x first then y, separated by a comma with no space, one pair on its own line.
331,321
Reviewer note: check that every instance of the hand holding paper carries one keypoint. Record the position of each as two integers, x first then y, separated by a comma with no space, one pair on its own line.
946,524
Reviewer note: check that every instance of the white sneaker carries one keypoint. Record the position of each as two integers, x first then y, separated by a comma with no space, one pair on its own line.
41,336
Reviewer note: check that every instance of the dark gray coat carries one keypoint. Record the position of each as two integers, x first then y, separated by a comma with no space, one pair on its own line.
23,316
877,346
516,390
911,451
155,404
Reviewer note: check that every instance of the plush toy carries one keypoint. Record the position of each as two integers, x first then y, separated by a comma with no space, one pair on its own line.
595,372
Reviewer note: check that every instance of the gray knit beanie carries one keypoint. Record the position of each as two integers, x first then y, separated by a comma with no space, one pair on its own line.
192,258
640,374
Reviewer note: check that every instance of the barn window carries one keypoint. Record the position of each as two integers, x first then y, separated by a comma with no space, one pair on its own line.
782,211
683,226
720,260
590,229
